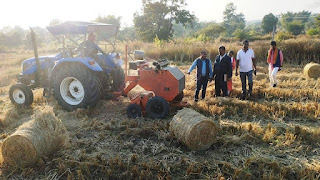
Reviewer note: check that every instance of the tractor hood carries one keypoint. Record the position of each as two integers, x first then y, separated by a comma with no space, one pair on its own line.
29,65
79,27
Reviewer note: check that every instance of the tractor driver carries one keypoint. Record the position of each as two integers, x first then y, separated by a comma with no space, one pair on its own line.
90,47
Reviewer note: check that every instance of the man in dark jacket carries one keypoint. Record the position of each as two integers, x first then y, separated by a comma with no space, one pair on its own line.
204,73
222,72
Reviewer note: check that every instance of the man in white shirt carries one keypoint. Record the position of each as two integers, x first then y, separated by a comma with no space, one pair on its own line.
246,61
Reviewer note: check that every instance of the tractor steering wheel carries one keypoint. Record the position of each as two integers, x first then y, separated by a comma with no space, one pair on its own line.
66,52
82,51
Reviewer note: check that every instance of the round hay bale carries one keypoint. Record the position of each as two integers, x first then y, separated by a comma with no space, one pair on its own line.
37,138
193,129
312,70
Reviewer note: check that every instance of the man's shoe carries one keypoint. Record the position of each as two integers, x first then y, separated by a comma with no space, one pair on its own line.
250,96
196,100
243,97
274,85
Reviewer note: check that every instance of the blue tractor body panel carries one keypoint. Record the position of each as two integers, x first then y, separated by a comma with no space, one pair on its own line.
86,61
109,61
29,65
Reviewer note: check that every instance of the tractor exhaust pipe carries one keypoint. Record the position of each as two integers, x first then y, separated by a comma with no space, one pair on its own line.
35,50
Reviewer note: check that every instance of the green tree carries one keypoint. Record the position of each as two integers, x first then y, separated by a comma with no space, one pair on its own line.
241,34
295,22
313,32
295,27
318,20
268,22
110,19
212,31
55,22
158,17
12,37
231,20
127,33
312,23
190,29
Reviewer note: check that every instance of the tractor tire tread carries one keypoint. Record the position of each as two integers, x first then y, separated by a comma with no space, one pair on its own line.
89,81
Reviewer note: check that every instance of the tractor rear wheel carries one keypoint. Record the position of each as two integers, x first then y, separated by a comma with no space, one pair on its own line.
157,107
133,111
21,95
118,78
75,87
121,76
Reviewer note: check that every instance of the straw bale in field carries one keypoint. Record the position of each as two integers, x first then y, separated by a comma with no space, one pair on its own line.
312,70
193,129
35,139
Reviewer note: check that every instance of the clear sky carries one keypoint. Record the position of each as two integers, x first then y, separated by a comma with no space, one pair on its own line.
40,12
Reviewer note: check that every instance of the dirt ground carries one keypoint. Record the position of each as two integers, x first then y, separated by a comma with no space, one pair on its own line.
275,135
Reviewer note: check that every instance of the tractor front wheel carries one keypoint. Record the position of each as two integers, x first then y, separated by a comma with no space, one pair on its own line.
21,95
157,107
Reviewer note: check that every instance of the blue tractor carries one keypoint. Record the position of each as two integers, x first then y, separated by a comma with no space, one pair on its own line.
76,78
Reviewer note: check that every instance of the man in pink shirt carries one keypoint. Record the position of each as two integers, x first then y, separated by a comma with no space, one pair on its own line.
275,60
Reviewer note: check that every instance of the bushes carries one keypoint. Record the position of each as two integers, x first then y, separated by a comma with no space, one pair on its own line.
282,35
313,32
300,50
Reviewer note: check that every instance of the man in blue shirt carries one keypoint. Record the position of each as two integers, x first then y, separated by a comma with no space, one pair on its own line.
204,73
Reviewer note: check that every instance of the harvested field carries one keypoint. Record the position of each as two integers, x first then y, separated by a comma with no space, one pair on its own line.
276,135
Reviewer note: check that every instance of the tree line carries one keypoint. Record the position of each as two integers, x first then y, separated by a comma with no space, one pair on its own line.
163,20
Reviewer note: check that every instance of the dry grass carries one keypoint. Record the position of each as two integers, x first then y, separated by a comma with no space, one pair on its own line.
274,136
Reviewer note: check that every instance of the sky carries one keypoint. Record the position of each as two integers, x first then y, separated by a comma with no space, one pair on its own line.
30,13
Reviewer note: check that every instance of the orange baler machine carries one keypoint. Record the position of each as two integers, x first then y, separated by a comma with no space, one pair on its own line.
162,81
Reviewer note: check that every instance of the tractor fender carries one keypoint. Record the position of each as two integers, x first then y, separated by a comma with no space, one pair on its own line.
84,62
88,62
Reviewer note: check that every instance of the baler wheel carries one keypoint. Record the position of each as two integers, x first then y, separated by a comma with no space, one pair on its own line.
134,111
157,107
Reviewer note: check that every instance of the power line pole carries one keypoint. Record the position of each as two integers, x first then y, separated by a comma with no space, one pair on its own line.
273,31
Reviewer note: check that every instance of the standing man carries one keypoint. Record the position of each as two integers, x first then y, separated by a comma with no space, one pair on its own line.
275,60
222,72
204,73
246,61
